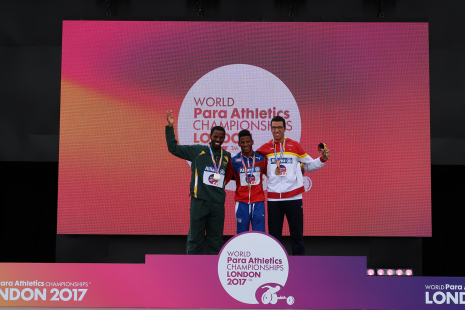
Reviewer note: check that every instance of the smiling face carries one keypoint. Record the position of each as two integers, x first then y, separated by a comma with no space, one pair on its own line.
245,143
278,130
217,139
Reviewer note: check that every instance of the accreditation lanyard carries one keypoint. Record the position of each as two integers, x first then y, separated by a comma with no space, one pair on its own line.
248,174
213,159
278,160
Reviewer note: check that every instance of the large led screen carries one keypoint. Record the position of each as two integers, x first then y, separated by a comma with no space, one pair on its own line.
361,88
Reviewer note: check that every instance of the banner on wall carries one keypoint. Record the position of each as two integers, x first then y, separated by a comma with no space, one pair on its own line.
252,271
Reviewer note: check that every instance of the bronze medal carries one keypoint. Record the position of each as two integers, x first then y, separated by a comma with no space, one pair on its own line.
278,171
248,186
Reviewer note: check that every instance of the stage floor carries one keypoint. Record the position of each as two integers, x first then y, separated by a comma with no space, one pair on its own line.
71,308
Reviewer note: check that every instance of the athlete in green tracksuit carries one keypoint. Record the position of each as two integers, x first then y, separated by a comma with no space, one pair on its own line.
209,177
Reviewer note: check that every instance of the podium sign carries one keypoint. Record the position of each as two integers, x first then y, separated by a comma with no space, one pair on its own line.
252,271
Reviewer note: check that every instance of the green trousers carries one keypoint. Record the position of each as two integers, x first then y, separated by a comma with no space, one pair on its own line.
207,218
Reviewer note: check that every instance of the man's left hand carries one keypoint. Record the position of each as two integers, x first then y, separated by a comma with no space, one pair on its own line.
324,152
325,155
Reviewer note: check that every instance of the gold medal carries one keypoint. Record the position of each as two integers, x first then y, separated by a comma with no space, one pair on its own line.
248,186
277,171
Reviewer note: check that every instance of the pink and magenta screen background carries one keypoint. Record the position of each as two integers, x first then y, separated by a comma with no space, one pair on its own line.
362,88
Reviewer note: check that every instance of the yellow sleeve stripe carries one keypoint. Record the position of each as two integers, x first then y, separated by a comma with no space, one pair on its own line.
288,153
196,183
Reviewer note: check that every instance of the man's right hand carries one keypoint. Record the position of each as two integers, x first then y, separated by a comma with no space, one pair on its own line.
170,118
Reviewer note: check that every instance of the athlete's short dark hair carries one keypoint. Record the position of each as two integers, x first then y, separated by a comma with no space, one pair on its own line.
245,133
278,118
217,128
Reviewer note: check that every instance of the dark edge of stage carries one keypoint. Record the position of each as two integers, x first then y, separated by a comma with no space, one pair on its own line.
399,252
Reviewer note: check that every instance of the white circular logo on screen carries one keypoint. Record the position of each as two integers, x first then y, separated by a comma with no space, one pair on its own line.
237,97
307,183
254,266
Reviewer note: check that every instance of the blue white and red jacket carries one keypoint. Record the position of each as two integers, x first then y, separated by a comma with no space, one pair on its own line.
255,194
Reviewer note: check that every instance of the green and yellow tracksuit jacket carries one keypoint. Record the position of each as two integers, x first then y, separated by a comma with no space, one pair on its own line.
203,186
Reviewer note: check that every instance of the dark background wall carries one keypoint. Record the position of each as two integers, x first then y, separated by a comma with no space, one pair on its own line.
30,65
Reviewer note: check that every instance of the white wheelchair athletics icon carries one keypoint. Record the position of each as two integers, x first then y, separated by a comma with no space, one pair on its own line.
270,296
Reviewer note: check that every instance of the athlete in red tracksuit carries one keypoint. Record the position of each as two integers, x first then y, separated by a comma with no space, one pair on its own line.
249,168
285,183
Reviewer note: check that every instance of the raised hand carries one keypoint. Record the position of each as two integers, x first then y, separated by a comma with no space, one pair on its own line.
323,150
326,155
170,118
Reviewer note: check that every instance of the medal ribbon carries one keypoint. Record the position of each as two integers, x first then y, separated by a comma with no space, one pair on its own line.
282,152
213,159
247,176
